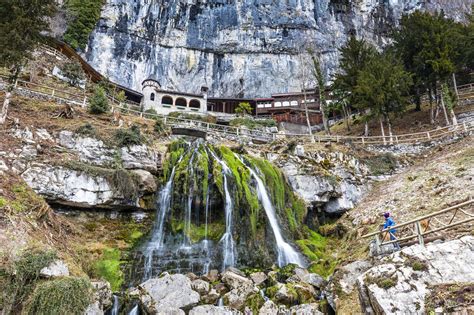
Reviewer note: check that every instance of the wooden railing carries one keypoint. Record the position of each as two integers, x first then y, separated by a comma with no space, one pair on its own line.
134,109
418,228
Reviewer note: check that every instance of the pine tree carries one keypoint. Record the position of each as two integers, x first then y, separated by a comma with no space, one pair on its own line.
21,25
355,56
98,103
383,86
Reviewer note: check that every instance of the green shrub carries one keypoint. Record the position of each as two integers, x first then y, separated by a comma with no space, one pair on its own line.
128,137
244,108
98,104
151,111
252,123
67,295
86,130
84,15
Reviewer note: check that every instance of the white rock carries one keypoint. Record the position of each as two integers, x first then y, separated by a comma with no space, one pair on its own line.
449,262
94,309
170,293
140,157
3,166
147,181
213,310
258,277
305,309
234,280
269,308
56,269
90,150
43,134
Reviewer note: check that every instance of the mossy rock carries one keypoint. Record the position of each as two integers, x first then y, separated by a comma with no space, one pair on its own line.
285,272
254,302
108,268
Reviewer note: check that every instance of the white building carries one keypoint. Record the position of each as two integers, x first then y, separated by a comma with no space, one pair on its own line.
165,102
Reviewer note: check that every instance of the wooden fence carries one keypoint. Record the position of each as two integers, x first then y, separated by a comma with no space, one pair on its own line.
258,135
418,228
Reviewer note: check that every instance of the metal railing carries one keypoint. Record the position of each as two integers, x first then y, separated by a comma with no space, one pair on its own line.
418,228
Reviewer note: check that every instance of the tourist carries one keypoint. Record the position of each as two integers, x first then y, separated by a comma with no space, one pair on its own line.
389,222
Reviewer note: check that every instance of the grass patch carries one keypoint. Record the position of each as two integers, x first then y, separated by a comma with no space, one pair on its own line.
86,130
416,264
23,277
67,295
252,123
129,137
382,282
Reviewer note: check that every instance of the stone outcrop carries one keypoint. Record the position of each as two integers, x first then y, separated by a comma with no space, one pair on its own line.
400,283
237,49
213,310
90,150
170,294
333,181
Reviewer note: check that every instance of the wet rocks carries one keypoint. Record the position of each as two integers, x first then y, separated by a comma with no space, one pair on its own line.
170,292
213,310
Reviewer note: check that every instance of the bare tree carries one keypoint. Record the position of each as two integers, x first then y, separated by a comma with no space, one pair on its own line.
304,80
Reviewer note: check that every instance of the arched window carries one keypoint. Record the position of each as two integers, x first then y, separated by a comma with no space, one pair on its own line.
181,102
195,104
152,96
167,100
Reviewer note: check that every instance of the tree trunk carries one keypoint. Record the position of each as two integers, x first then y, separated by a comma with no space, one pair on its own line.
325,118
307,117
366,129
430,96
455,86
437,104
382,130
453,117
417,100
389,123
346,114
6,103
444,109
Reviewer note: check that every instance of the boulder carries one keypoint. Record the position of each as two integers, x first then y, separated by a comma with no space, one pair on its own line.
305,309
400,284
213,310
140,157
258,278
102,293
56,269
269,308
147,182
303,275
237,297
171,293
235,280
211,276
200,286
221,288
211,298
94,309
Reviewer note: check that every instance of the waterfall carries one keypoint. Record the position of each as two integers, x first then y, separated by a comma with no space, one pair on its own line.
227,239
206,241
189,204
286,253
116,306
134,310
156,241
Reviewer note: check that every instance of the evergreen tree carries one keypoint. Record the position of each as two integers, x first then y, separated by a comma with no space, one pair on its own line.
383,86
21,25
98,103
73,71
429,46
243,109
355,56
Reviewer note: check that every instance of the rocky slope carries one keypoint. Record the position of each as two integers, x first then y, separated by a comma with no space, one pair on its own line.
237,48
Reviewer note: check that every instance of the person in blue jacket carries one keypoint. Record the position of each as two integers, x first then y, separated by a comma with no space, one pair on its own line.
388,223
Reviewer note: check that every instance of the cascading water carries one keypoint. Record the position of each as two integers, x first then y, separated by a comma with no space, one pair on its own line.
286,253
156,241
189,205
227,239
206,232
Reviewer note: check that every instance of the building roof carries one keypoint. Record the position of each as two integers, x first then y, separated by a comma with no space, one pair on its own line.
152,77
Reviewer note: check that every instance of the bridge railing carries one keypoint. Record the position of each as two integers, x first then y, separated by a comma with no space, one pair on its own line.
418,228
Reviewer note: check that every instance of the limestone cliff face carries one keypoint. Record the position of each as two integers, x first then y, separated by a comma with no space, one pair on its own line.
236,47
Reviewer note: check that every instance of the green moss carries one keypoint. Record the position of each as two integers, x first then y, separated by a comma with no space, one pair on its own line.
67,295
198,233
382,164
382,282
314,247
3,202
108,268
203,172
273,179
285,272
252,123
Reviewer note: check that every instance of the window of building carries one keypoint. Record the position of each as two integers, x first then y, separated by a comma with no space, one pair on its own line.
277,104
268,105
294,103
260,106
195,104
180,101
286,103
152,97
167,100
